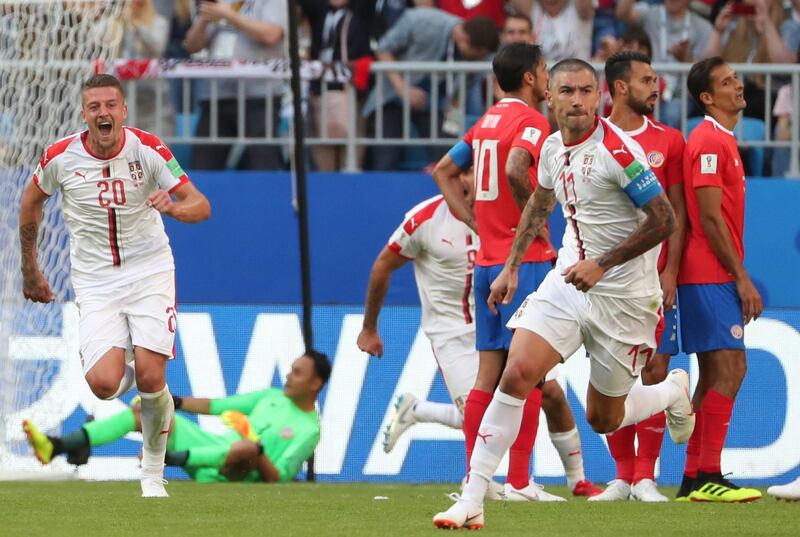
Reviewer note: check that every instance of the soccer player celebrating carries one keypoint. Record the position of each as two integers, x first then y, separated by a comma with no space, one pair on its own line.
273,431
503,146
442,250
716,294
603,293
633,86
115,183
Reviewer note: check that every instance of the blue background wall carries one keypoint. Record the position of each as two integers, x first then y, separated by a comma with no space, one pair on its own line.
242,266
249,247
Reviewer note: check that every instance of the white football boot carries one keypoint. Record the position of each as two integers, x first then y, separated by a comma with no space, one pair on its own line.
789,492
533,492
646,491
617,490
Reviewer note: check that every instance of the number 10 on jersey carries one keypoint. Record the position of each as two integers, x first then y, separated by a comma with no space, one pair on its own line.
484,155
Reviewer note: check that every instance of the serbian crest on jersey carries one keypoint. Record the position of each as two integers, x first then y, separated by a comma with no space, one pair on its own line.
655,159
137,173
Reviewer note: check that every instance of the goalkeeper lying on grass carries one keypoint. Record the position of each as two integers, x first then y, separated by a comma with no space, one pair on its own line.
273,431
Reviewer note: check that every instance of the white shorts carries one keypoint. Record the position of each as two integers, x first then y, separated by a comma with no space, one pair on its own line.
458,362
619,334
139,314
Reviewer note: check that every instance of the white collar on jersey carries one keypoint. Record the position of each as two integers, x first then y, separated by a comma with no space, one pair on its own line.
639,130
512,100
717,125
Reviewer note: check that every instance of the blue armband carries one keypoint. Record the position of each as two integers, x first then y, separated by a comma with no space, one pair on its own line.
461,153
643,188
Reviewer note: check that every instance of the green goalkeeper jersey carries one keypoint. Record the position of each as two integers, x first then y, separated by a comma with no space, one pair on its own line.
289,434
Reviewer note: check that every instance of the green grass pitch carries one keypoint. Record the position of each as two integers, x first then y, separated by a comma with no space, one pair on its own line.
69,509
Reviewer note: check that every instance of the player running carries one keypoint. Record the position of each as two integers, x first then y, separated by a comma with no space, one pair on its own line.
603,293
442,250
115,183
503,146
273,431
717,296
633,86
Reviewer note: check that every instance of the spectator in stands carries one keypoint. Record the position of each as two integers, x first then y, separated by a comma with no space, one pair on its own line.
563,28
517,28
751,39
422,34
338,34
677,35
605,26
180,17
249,30
790,30
145,36
783,130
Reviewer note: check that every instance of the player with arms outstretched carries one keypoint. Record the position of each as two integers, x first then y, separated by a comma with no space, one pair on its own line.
633,86
115,183
603,293
503,147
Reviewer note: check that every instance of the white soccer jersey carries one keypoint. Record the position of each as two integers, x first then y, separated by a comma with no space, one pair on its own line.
443,250
598,182
115,238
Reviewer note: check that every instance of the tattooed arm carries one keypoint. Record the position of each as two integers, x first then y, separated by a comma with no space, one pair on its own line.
517,166
34,284
533,220
658,225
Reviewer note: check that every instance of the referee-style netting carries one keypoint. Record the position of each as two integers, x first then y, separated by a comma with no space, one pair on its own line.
46,52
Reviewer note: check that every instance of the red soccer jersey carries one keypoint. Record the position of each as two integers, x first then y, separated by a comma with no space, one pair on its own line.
509,123
711,160
664,147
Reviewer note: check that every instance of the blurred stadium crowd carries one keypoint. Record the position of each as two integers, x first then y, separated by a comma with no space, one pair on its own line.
359,32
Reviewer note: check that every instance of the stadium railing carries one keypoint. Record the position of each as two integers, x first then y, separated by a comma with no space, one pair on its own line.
458,77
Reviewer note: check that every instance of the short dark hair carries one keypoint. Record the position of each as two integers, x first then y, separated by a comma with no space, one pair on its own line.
322,367
520,16
512,62
636,34
618,67
699,79
482,33
572,65
103,81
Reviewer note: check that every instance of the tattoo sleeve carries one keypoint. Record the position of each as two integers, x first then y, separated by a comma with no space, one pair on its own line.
28,234
534,218
517,166
658,225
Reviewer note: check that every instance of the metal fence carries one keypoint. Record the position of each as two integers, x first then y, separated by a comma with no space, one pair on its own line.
458,81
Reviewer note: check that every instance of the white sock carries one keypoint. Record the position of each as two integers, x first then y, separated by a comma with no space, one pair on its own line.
444,413
568,445
496,434
128,381
157,411
645,401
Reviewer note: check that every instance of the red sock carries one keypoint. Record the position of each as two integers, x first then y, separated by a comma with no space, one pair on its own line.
620,443
693,448
519,456
651,435
717,410
474,409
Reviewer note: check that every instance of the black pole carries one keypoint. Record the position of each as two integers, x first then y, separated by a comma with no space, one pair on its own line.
300,176
302,203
